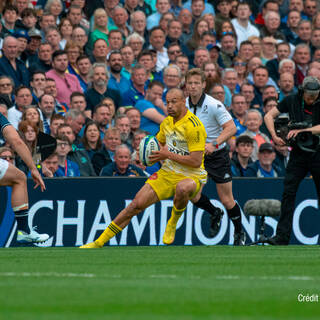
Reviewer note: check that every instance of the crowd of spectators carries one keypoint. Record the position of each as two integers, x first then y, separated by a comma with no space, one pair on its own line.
94,74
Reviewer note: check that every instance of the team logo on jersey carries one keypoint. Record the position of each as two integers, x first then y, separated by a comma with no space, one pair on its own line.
219,106
205,109
174,143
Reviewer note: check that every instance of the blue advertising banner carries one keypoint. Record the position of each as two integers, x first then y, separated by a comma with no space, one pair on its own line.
74,211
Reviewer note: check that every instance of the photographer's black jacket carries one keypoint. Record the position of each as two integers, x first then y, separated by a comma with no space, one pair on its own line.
293,105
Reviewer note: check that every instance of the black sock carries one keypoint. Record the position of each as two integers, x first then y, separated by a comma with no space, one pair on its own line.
22,220
235,216
205,204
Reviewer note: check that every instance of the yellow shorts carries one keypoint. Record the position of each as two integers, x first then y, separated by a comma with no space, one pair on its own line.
164,183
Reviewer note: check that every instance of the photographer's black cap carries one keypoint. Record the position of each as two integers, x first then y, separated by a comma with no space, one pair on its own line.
311,85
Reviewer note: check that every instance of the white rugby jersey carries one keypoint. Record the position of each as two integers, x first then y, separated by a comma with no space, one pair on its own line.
213,114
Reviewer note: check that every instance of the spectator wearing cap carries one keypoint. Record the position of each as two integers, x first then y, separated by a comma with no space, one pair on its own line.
241,157
66,83
10,65
33,46
23,40
264,167
244,28
214,52
253,122
117,81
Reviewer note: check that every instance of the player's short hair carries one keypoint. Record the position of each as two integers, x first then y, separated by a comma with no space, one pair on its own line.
196,72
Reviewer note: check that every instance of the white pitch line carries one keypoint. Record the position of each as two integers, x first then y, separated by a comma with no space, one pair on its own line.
47,274
163,276
154,276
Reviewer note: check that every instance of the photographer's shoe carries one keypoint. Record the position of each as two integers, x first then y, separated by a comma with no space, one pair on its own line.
276,241
239,239
215,222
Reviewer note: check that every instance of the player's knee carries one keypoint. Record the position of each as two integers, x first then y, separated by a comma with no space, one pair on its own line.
186,188
136,206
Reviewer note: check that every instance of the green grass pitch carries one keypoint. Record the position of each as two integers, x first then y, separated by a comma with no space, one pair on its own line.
218,282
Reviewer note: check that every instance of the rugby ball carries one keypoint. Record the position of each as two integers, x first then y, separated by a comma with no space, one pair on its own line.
146,146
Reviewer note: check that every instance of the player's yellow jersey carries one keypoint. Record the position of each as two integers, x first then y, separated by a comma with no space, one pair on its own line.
182,137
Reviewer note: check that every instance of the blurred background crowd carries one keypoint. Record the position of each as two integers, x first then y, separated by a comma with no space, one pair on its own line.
94,75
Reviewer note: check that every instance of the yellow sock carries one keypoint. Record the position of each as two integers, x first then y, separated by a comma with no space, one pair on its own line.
109,233
176,214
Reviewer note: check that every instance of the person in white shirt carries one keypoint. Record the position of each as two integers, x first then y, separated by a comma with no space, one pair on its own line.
219,127
244,28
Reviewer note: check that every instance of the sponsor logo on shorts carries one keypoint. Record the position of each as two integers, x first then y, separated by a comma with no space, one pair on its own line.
154,176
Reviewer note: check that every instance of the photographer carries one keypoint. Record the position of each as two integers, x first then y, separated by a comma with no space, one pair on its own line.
304,123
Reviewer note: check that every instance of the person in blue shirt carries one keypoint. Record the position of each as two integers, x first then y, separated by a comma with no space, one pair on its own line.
10,65
66,168
152,108
264,167
122,165
136,92
117,81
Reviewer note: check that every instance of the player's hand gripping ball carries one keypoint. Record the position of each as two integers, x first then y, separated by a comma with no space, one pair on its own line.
147,145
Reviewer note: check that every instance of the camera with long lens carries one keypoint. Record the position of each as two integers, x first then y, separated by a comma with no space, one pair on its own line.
304,140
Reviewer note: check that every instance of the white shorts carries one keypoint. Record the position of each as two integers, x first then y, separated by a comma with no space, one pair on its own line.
3,167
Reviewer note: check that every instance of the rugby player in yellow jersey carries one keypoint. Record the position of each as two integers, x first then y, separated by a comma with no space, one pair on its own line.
182,137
